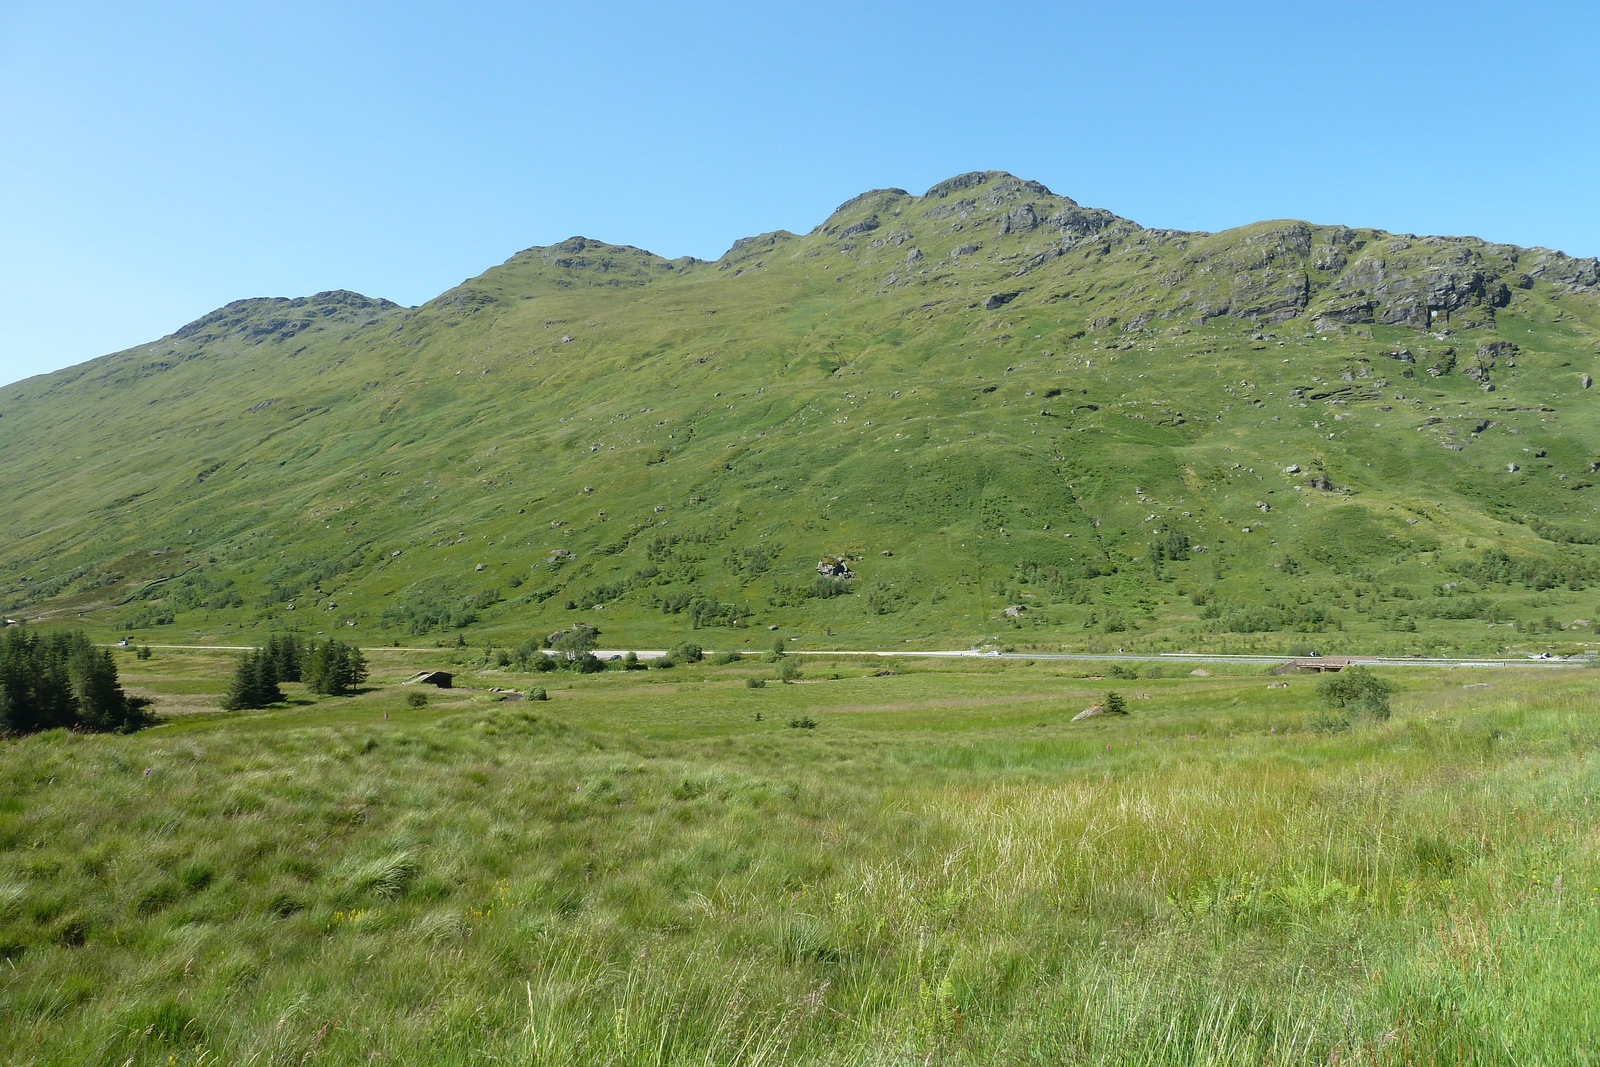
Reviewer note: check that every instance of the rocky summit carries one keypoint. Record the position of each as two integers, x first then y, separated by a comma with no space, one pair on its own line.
982,398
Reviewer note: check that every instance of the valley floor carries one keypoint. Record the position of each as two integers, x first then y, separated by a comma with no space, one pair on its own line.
907,862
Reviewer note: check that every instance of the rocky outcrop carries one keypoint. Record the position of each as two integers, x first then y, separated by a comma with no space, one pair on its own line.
834,567
264,319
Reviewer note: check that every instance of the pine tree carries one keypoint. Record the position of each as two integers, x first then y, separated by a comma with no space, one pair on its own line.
254,684
287,655
334,668
1113,703
61,679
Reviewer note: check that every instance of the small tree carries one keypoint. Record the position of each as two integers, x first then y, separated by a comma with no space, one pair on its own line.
788,670
1113,703
1357,690
688,652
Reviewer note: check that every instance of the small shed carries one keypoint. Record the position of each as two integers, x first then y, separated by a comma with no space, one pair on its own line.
442,679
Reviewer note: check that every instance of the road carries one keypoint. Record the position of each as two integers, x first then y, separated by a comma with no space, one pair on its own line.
1127,657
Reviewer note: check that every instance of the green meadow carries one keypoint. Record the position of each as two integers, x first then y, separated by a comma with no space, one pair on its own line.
914,863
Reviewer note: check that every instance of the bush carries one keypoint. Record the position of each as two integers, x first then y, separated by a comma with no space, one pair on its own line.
755,683
1358,690
1328,722
1124,671
538,693
724,658
688,652
804,722
630,662
416,699
788,670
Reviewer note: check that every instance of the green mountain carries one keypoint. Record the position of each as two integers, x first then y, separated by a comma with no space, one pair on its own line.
1012,418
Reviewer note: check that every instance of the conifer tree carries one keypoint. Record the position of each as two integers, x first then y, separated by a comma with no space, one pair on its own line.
334,668
60,679
254,684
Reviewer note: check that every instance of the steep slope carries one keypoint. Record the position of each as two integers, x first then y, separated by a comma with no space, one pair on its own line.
985,397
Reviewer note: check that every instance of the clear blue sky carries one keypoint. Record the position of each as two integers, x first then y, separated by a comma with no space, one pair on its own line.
160,159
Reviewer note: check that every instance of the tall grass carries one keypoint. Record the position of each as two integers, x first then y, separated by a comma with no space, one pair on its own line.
1202,882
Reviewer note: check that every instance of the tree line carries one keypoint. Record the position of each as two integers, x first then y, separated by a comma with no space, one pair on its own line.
60,679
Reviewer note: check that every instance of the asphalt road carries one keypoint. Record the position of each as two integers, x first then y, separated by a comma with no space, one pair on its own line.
1129,657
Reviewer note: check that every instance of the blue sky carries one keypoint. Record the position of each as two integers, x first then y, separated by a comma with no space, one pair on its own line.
158,160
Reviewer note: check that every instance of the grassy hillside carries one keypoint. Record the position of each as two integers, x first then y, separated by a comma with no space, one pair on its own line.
982,398
658,869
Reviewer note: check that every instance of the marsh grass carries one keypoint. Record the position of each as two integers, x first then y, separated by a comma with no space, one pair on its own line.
941,871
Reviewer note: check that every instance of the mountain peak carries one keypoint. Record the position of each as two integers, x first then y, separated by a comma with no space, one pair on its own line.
278,318
1007,184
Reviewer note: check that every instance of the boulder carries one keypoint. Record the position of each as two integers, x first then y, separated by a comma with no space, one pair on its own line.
1093,711
833,567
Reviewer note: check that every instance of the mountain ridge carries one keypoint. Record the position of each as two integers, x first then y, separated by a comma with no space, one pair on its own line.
1030,375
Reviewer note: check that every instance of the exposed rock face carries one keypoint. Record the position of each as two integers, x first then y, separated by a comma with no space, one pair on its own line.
833,567
759,243
1487,356
866,225
581,629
